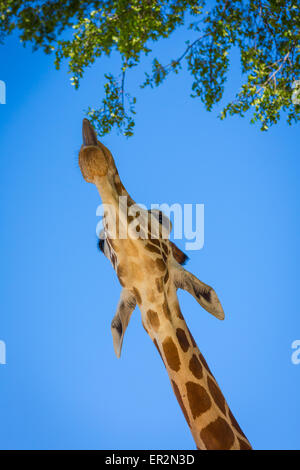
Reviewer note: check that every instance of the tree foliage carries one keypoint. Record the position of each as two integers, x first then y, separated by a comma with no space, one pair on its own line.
266,33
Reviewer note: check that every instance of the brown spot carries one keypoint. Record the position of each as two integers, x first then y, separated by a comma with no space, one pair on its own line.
137,295
166,310
244,445
153,319
235,424
164,257
160,264
183,341
130,218
204,363
217,395
159,284
198,399
217,435
152,248
195,367
180,401
165,248
166,278
171,354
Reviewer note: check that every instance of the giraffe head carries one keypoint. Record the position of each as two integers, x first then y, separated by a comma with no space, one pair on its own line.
95,160
148,233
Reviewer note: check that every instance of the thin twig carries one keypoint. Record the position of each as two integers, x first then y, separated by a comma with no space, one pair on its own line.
275,72
123,81
122,87
167,68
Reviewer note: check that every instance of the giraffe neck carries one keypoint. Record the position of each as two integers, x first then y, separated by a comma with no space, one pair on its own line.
111,188
205,409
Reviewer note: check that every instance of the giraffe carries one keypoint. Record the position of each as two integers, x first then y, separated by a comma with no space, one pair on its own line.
150,270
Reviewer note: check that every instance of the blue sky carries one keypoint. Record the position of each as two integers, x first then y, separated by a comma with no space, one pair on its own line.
62,386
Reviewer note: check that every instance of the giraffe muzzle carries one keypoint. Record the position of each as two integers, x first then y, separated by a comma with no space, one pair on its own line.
89,136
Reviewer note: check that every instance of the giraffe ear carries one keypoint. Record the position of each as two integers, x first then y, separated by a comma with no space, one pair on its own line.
121,319
204,294
179,256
